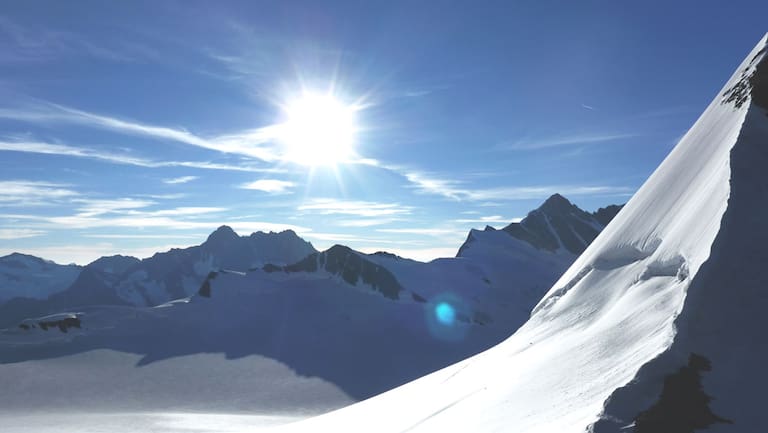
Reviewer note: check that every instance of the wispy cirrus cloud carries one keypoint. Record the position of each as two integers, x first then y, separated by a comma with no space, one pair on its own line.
24,44
456,190
425,231
92,208
169,219
326,206
116,158
271,186
490,219
29,193
255,143
566,140
365,222
180,180
10,234
430,183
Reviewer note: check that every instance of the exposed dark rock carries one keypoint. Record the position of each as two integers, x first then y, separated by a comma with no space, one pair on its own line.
557,223
62,324
205,288
683,407
308,264
350,266
604,215
387,255
754,84
269,268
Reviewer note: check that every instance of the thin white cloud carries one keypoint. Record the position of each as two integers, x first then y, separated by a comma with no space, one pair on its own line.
81,152
566,140
40,44
180,180
367,222
253,143
455,190
439,232
490,219
174,196
272,186
28,193
144,221
145,236
327,206
344,237
12,234
424,183
92,208
179,211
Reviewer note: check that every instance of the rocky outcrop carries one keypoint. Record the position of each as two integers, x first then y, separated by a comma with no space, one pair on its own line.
348,264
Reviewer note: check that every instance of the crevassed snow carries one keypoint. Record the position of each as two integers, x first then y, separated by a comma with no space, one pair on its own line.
616,309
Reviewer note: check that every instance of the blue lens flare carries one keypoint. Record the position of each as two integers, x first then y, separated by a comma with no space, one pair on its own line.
445,313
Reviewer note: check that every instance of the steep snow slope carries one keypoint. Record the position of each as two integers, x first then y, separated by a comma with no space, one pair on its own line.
663,311
28,276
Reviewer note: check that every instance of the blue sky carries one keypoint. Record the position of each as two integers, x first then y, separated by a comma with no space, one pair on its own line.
133,127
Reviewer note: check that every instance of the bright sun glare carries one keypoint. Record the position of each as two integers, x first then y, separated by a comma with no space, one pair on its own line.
319,130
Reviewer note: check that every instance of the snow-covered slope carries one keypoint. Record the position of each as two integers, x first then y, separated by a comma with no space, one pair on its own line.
28,276
657,327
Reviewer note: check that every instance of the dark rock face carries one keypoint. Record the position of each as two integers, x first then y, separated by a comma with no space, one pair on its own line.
63,324
558,223
205,288
604,215
683,407
754,84
350,266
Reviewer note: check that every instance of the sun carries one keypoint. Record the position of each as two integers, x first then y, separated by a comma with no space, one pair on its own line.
319,130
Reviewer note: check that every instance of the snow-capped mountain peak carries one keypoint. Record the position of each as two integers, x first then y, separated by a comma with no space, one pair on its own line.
23,275
557,225
221,236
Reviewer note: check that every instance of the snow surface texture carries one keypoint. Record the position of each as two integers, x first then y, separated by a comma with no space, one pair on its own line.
27,276
675,282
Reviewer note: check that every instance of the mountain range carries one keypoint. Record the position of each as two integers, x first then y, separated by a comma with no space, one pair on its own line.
347,325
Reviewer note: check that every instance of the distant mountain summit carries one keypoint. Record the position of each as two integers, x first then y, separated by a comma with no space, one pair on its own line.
33,277
121,280
556,226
